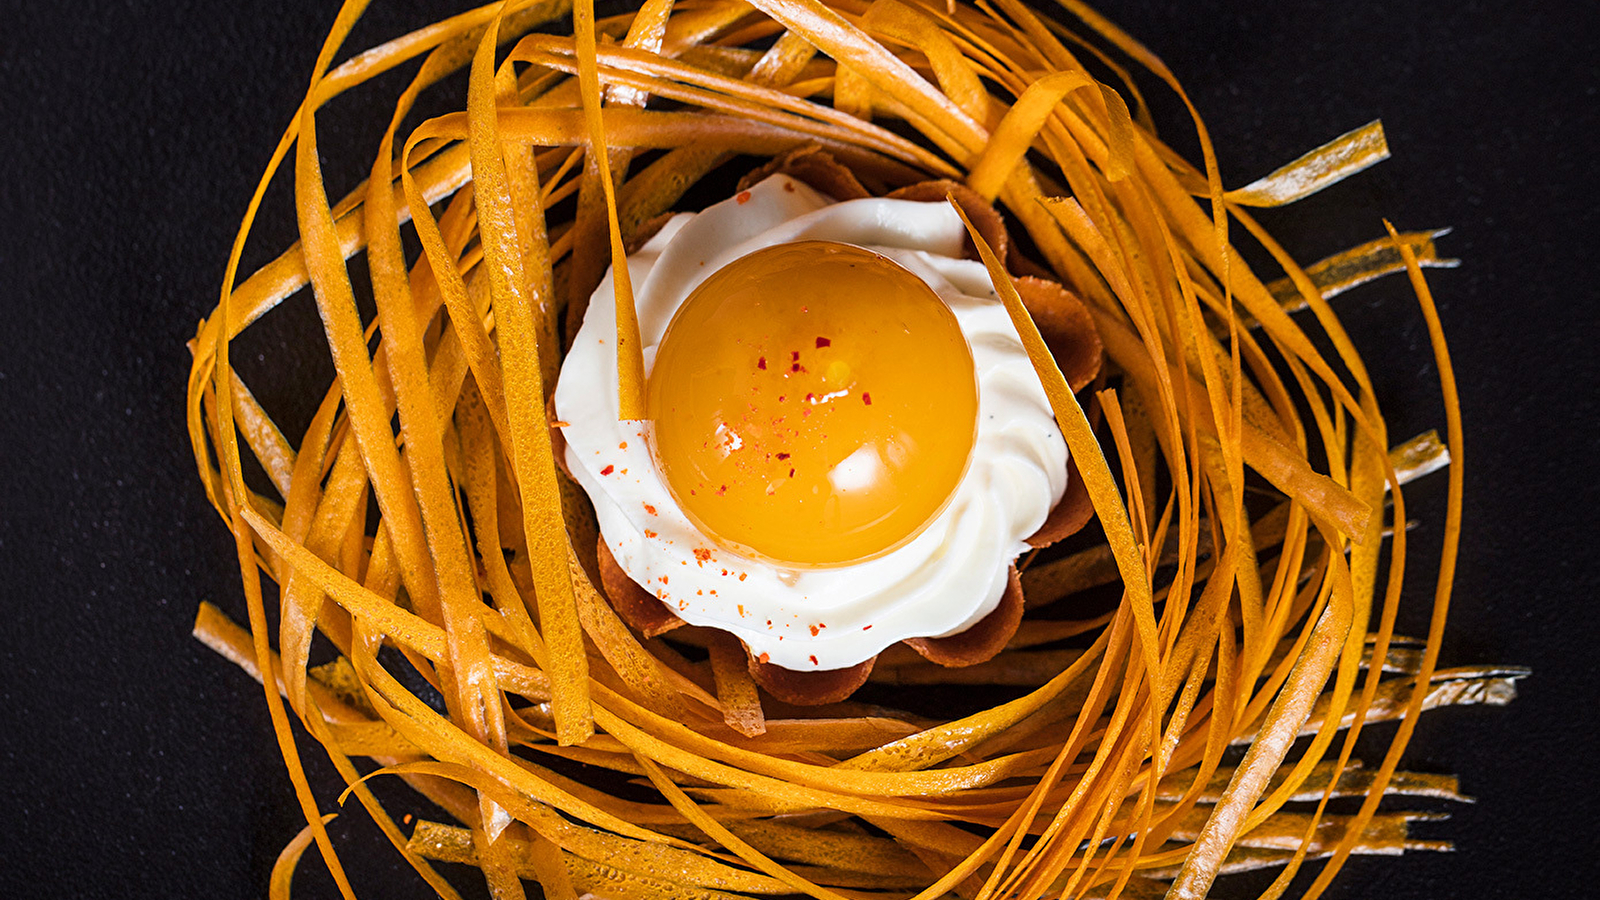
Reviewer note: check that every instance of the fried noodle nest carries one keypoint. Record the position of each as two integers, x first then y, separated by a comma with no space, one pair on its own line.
1247,583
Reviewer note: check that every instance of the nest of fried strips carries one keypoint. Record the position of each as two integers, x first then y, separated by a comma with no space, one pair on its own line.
1107,772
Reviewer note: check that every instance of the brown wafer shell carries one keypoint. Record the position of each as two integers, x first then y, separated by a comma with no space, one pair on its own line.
984,638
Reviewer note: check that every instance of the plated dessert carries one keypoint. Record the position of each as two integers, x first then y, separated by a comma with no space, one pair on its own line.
847,445
826,449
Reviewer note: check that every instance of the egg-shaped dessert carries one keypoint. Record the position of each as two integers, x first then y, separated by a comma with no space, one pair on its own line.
847,445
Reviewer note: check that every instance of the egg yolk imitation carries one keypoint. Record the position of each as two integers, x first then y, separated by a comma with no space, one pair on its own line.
813,404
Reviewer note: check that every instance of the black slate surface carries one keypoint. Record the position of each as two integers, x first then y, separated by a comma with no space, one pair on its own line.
134,763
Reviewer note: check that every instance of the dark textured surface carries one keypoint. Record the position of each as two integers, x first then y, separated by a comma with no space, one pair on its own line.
134,763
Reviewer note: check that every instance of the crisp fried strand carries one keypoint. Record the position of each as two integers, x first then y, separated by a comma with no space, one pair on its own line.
282,880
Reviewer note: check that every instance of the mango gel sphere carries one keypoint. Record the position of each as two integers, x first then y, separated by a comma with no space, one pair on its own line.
814,404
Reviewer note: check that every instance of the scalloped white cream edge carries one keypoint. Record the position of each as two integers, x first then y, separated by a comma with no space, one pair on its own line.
938,584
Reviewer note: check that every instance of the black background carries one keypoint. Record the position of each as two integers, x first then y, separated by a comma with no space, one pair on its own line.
135,763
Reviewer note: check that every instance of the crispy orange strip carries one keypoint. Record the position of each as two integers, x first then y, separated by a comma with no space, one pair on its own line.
1359,265
735,689
283,868
1018,128
1329,164
630,359
530,438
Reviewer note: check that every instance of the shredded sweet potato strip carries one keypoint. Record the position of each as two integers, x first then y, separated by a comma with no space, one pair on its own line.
630,361
1331,163
282,880
1359,265
736,689
1018,129
519,358
1202,621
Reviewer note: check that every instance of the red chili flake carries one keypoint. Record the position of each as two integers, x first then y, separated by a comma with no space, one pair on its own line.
713,592
722,490
797,368
813,634
788,186
783,456
649,509
823,342
744,197
724,572
699,593
761,363
791,473
663,579
741,609
763,658
866,628
683,604
813,659
702,554
623,445
811,398
742,574
648,533
769,623
794,355
866,398
608,470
